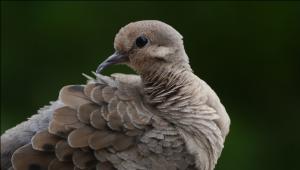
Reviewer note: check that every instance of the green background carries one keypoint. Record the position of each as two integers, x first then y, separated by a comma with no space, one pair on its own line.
249,52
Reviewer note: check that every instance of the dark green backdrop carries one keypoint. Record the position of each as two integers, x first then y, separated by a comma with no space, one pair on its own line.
247,51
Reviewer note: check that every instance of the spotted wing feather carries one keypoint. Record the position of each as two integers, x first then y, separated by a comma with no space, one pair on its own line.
102,115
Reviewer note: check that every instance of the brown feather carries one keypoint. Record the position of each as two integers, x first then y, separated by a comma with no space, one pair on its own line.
96,94
114,118
101,139
26,158
63,151
122,110
79,137
44,141
108,93
73,96
89,87
83,159
134,116
85,110
75,125
123,142
55,164
114,121
65,115
104,113
105,166
134,132
58,129
97,120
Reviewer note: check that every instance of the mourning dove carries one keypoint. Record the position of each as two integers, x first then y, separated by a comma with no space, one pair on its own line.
164,118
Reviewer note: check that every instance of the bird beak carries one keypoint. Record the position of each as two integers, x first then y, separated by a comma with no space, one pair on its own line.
115,58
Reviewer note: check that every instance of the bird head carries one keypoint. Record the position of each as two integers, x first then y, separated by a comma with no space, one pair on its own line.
146,44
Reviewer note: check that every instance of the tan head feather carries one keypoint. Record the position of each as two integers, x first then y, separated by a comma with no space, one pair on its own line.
144,44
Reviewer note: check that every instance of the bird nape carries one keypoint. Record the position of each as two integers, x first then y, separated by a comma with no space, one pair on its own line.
163,118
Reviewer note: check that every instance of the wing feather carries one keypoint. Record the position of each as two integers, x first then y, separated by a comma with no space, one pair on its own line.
85,110
97,122
84,159
64,151
73,96
78,138
27,158
56,164
44,141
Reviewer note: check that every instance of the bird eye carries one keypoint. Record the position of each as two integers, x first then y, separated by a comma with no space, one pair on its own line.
141,41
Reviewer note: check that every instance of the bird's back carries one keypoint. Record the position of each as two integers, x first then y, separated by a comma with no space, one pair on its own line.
105,124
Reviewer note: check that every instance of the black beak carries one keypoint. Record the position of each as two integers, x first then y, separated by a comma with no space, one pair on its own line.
115,58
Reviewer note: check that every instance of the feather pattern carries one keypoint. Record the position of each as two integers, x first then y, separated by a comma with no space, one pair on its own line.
110,132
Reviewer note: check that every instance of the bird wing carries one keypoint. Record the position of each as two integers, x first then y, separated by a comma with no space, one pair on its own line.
105,114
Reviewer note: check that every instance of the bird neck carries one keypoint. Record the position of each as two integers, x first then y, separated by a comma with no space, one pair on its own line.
177,94
162,83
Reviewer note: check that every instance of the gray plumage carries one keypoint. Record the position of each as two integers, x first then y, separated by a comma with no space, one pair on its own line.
166,118
22,133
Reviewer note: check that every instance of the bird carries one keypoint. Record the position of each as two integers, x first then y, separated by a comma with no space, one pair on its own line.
163,117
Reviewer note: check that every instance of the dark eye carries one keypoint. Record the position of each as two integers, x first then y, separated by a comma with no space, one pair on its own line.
141,41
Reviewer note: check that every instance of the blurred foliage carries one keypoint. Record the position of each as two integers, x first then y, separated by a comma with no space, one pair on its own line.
247,51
